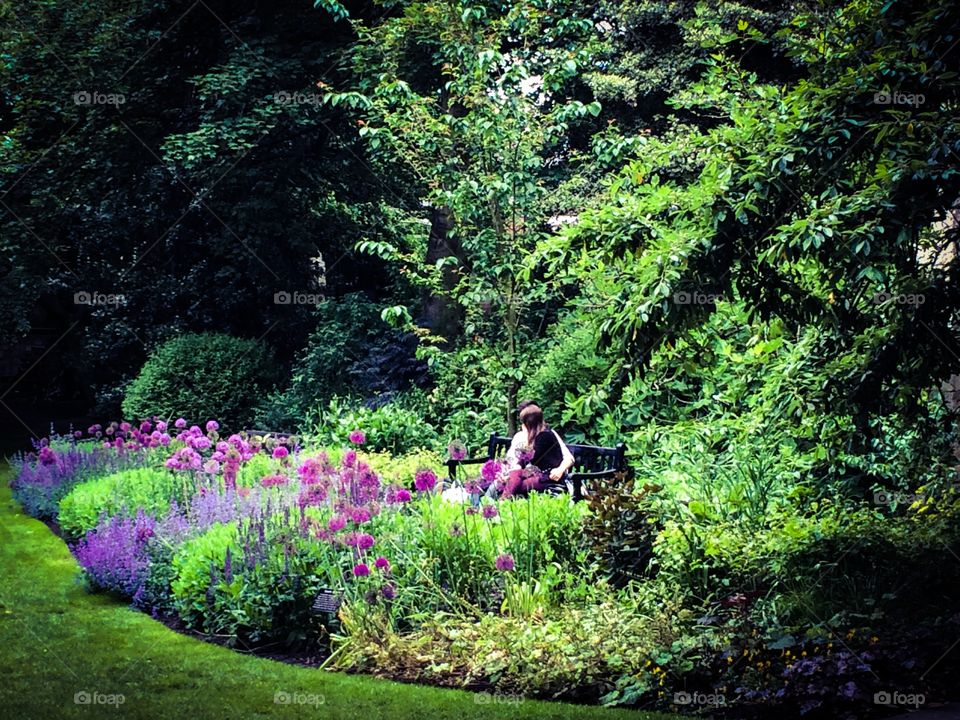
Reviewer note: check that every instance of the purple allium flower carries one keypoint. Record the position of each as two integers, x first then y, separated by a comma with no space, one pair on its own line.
471,510
110,430
358,437
403,495
349,458
361,570
456,530
273,481
359,515
381,563
490,511
312,495
280,452
425,480
94,429
180,423
223,446
212,426
146,426
457,450
47,456
490,470
336,523
504,562
125,427
77,434
162,426
388,591
365,541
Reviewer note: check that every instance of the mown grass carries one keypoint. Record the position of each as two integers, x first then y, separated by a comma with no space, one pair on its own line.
57,640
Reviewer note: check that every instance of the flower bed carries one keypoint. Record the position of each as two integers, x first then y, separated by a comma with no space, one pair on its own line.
235,536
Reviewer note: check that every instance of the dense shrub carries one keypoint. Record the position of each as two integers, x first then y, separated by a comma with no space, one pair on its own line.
124,492
203,376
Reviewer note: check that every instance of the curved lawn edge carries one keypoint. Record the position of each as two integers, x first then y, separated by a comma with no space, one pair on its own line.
58,641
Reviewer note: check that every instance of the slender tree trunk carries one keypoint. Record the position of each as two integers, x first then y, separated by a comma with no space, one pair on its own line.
441,314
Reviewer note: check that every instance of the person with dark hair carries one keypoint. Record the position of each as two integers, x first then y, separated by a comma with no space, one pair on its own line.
545,460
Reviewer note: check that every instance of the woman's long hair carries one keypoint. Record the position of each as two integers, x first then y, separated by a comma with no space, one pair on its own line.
532,419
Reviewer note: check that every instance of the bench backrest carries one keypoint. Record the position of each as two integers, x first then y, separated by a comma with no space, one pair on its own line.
587,458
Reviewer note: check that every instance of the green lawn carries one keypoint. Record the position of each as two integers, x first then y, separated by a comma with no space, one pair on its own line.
57,641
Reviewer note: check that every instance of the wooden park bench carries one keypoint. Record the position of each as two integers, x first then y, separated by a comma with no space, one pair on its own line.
591,462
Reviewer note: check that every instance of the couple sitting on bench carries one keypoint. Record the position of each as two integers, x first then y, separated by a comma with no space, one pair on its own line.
538,459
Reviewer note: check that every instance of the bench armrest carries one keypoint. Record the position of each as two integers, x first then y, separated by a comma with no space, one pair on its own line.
452,464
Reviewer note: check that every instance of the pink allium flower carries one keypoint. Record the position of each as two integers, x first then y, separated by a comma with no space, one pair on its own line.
211,467
490,511
457,450
109,430
223,446
162,426
337,523
365,541
381,563
273,481
358,437
361,570
280,452
504,562
125,427
471,510
212,426
425,480
180,423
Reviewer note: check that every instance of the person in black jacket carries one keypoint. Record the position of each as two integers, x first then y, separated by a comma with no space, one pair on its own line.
547,458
